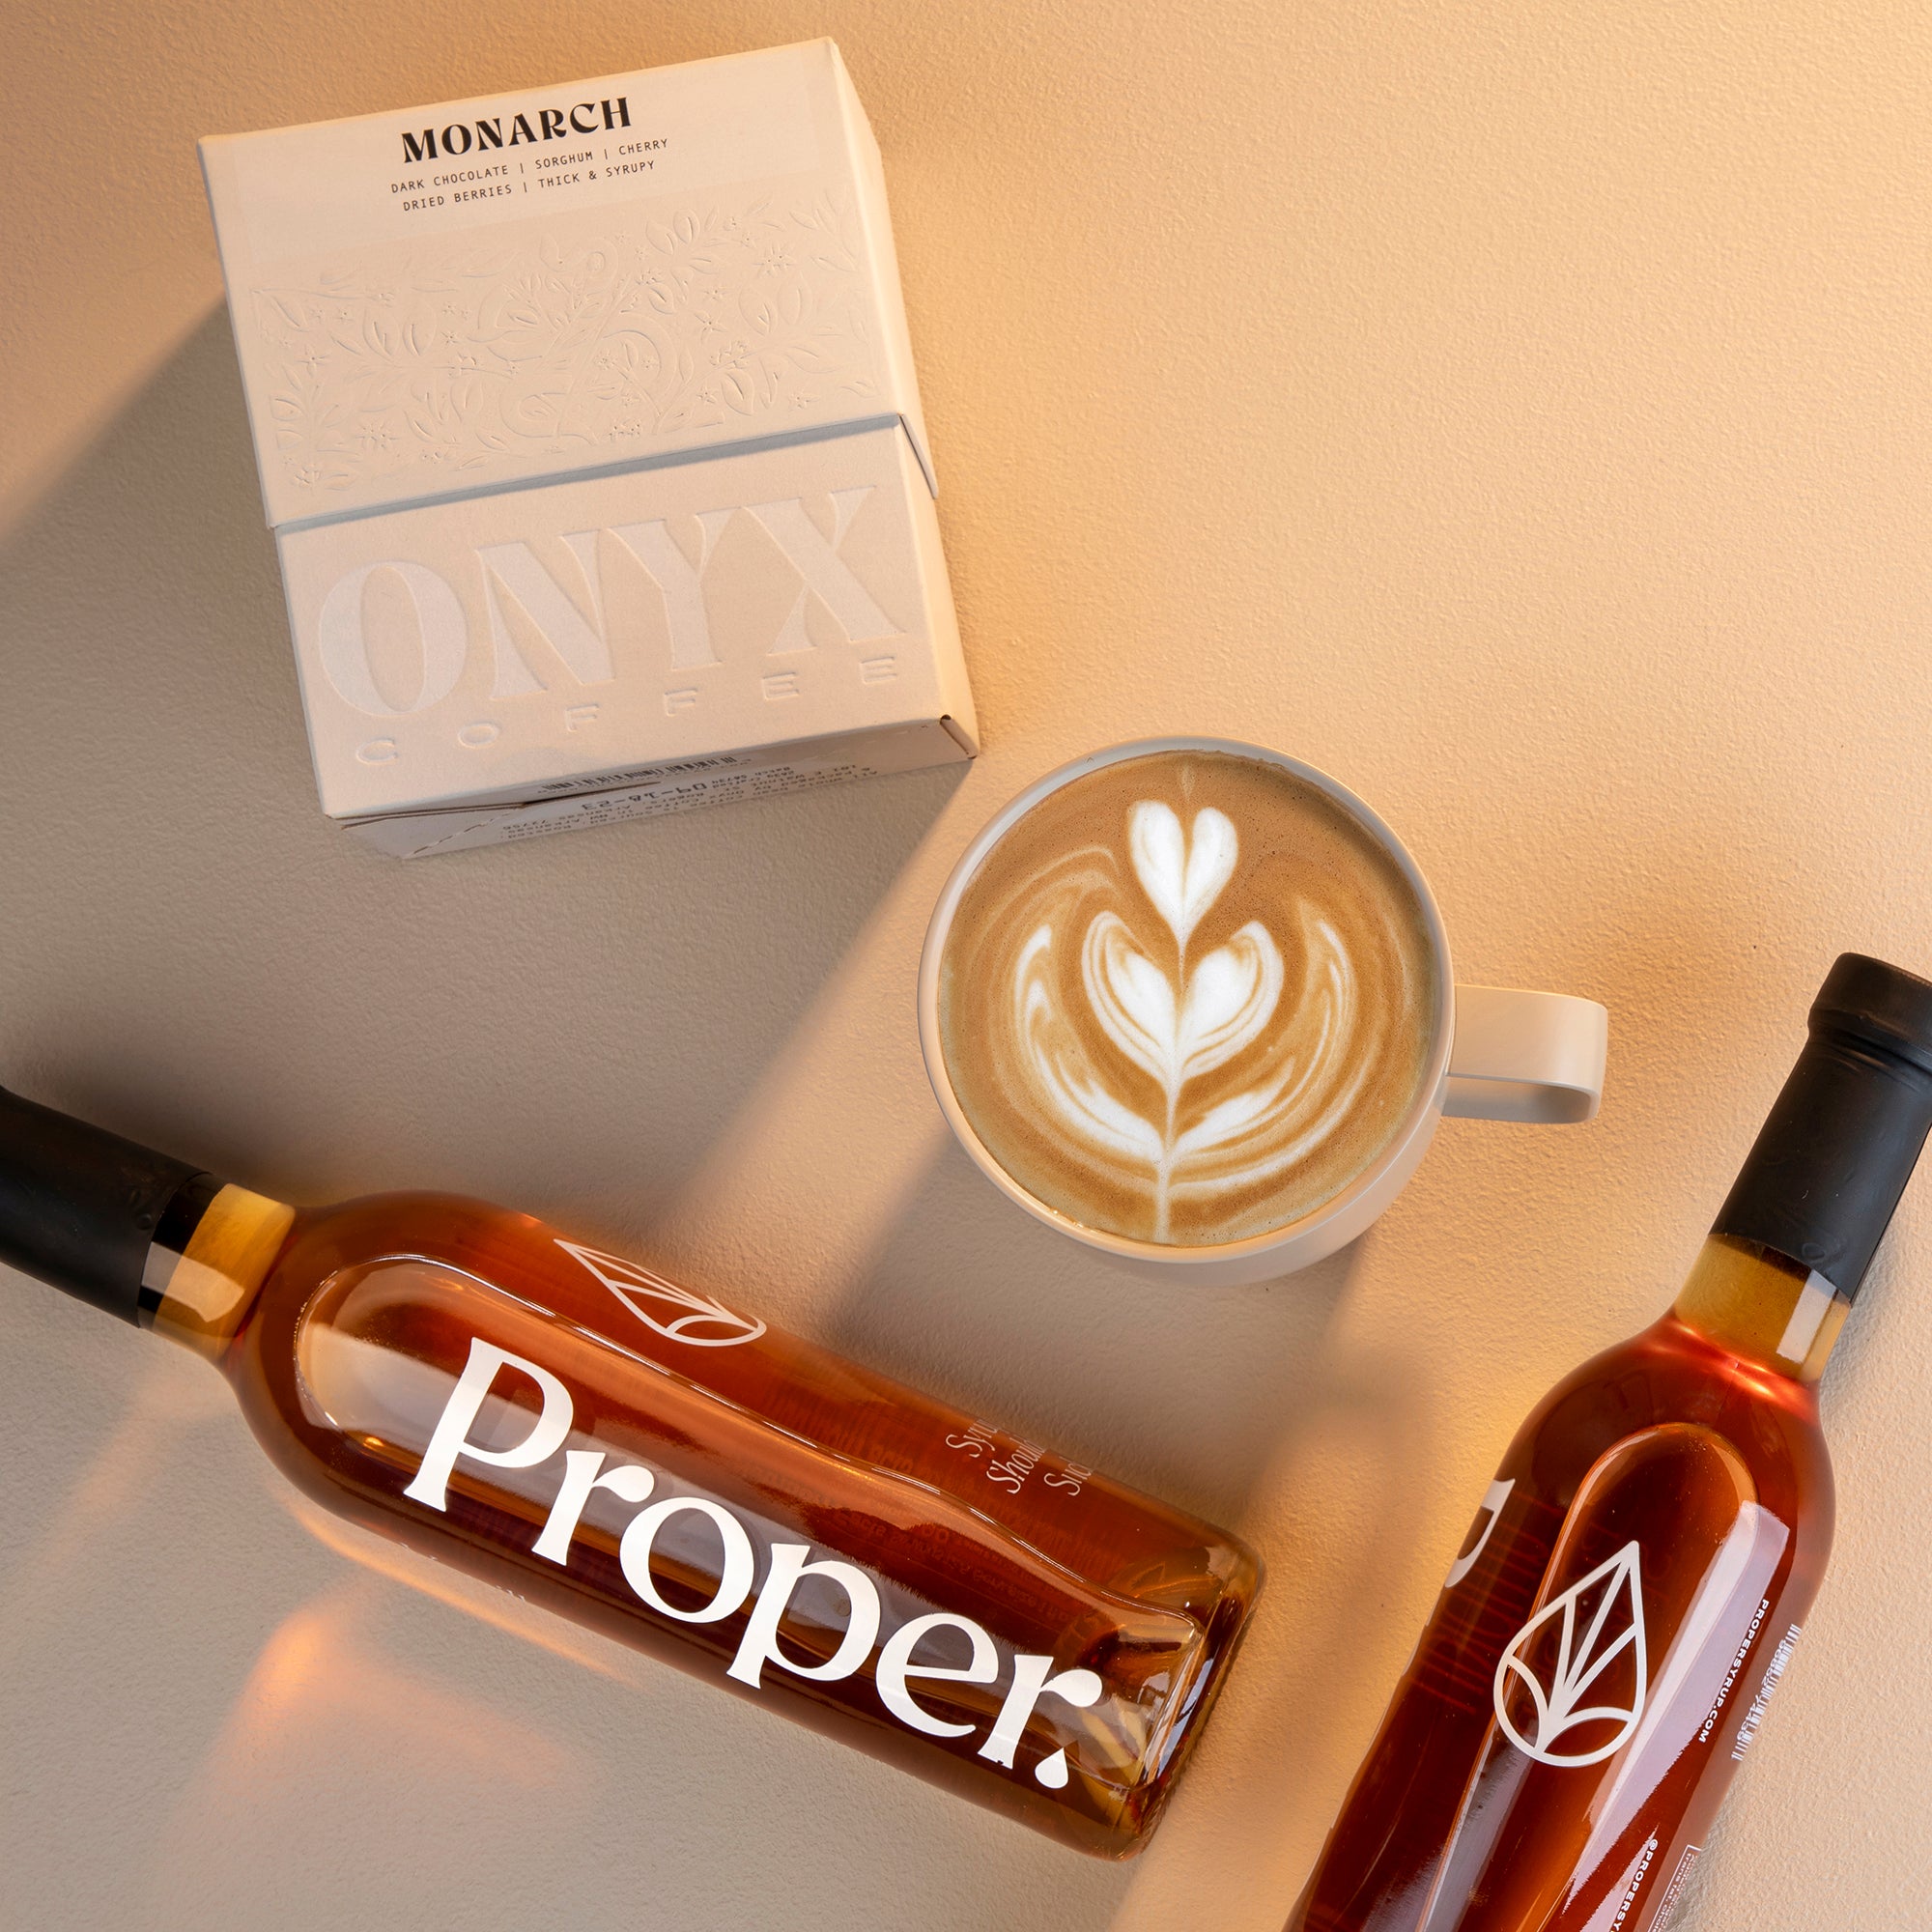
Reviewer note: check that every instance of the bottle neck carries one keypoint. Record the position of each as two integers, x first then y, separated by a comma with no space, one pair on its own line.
211,1253
1763,1307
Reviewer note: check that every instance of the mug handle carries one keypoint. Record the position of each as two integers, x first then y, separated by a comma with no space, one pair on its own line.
1525,1055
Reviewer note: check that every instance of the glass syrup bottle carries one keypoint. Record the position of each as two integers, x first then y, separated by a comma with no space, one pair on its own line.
1607,1641
667,1469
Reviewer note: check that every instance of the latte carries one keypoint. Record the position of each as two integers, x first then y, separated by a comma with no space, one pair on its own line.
1187,998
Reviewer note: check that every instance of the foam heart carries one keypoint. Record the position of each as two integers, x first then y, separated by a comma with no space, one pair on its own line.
1182,875
1132,999
1231,996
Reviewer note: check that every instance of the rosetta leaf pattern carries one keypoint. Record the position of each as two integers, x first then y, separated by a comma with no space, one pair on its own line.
1176,1026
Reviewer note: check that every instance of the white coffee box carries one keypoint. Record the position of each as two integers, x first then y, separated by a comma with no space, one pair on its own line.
587,427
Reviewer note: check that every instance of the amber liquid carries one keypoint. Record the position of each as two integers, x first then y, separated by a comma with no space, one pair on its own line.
352,1351
1607,1644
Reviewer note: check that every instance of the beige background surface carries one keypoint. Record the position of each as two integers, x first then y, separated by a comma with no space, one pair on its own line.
1520,410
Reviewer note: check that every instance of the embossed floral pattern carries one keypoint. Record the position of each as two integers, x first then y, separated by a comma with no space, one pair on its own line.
466,353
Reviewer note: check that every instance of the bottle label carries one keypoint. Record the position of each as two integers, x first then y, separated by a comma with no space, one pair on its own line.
1634,1884
1745,1644
1009,1464
1679,1879
824,1604
1774,1671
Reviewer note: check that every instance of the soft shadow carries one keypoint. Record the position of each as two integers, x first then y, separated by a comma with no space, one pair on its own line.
196,958
1185,1392
1348,1495
1254,1407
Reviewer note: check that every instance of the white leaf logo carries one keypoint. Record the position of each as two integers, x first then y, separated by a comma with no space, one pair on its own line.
1611,1595
662,1306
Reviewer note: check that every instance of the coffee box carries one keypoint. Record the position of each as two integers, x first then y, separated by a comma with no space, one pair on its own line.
587,428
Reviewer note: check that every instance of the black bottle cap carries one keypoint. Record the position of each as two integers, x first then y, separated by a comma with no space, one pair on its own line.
1829,1165
80,1207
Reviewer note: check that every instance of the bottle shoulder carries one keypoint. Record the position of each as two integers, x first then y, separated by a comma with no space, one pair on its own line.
461,1231
399,1221
1670,1376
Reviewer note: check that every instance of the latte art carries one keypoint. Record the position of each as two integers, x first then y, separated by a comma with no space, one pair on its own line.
1179,1032
1187,999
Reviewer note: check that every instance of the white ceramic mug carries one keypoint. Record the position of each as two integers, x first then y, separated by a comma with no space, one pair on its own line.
1496,1054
